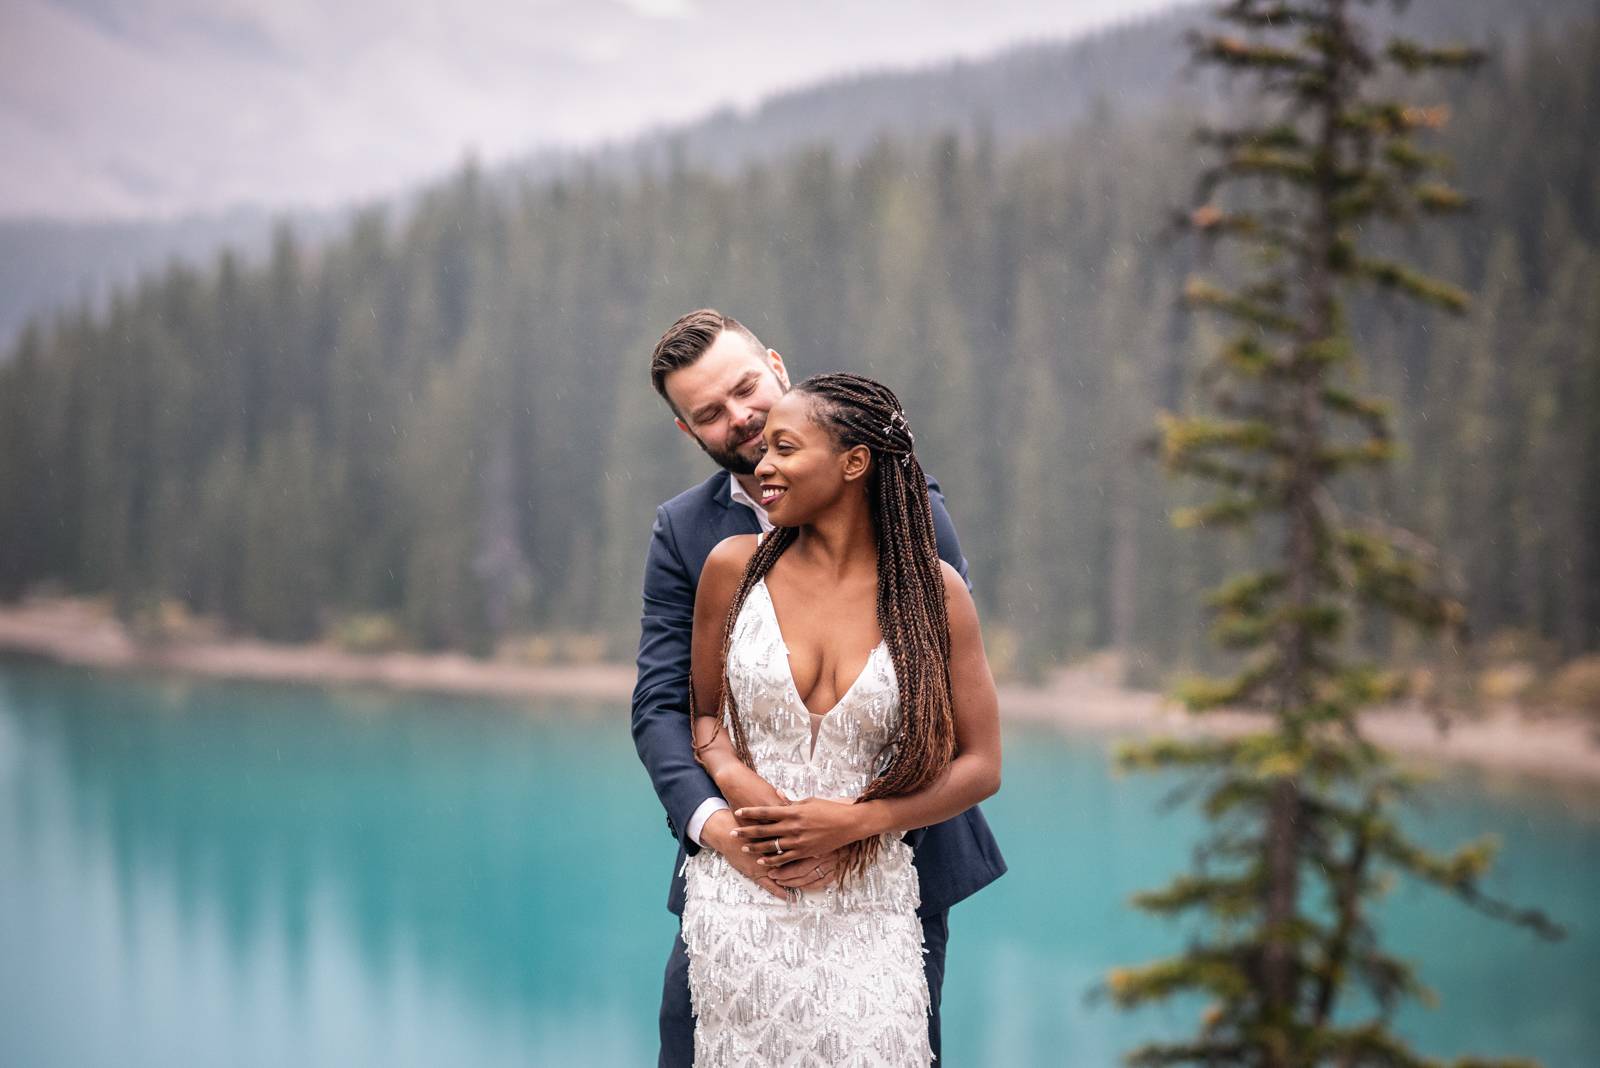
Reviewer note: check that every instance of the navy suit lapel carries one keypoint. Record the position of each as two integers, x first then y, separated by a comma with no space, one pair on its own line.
718,516
739,519
736,518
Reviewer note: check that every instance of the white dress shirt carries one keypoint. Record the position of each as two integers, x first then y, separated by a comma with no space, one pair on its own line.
697,822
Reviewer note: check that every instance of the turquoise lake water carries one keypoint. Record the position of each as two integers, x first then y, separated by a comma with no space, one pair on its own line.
203,873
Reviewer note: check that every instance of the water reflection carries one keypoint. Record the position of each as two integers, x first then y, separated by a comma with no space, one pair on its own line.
200,873
441,841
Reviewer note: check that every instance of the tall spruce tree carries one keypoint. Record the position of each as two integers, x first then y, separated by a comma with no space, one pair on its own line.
1304,803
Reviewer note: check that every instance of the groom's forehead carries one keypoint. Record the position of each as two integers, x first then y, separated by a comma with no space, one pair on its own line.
721,370
731,349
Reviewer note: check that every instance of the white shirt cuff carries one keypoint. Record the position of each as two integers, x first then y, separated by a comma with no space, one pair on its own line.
701,814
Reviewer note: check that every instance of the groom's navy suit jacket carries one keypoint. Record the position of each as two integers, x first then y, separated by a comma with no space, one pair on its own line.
954,859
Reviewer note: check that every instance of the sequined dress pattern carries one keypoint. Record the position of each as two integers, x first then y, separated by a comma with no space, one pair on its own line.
835,978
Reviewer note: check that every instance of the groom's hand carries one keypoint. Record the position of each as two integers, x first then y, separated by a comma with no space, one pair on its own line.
717,834
806,873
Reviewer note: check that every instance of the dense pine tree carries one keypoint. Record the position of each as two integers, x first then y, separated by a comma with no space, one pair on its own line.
972,273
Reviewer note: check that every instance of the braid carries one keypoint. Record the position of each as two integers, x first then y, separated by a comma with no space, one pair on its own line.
911,608
911,600
766,554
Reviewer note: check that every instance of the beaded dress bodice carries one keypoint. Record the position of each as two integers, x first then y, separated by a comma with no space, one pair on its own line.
852,737
835,977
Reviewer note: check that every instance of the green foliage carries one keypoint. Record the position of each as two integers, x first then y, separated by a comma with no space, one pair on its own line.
1303,801
1577,686
366,632
477,361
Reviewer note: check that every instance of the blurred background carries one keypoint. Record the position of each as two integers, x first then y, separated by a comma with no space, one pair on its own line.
323,349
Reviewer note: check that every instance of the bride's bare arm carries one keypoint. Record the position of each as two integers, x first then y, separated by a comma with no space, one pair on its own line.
816,825
719,579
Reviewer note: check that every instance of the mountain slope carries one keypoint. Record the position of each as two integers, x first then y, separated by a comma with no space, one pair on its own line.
1022,93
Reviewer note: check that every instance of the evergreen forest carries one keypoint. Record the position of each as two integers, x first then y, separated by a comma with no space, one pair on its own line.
442,419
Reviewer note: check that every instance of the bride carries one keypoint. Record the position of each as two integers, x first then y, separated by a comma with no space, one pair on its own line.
838,661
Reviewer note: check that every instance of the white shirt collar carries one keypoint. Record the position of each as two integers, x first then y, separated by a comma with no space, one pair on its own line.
738,494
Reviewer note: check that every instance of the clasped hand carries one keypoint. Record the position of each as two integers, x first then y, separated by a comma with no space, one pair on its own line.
751,846
783,835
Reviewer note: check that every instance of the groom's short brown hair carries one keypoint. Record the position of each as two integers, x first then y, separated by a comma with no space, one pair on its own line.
688,339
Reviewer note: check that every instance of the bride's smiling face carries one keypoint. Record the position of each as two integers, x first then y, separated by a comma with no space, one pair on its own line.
802,470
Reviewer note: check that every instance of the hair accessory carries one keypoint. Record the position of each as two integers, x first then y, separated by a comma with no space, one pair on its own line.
898,419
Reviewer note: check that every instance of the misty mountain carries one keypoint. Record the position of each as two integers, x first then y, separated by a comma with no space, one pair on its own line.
1022,93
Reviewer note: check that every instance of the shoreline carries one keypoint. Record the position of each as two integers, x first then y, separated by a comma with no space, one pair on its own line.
1080,699
80,633
1560,751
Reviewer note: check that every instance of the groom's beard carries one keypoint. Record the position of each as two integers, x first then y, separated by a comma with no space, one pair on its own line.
732,460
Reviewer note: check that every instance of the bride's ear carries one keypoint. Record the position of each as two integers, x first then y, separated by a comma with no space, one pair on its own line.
855,462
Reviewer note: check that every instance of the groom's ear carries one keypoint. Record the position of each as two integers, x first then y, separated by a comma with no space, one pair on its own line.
855,462
776,363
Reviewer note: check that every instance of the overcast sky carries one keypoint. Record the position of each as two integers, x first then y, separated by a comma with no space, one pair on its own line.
146,107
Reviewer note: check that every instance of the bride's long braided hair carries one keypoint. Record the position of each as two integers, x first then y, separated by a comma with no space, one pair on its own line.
911,599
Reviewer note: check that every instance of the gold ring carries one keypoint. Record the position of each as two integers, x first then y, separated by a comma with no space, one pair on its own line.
778,847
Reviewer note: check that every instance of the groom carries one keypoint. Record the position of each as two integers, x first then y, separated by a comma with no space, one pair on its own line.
720,382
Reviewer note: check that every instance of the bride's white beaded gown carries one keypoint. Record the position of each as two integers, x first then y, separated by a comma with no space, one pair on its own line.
835,978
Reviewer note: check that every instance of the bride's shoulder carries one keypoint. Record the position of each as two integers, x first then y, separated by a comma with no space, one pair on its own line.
958,598
720,576
730,557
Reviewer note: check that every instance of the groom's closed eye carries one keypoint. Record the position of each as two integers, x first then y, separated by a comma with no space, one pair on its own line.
745,388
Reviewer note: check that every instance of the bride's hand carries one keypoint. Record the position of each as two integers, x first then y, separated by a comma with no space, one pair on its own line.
809,829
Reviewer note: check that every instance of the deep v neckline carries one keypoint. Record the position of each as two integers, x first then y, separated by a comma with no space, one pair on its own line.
788,668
